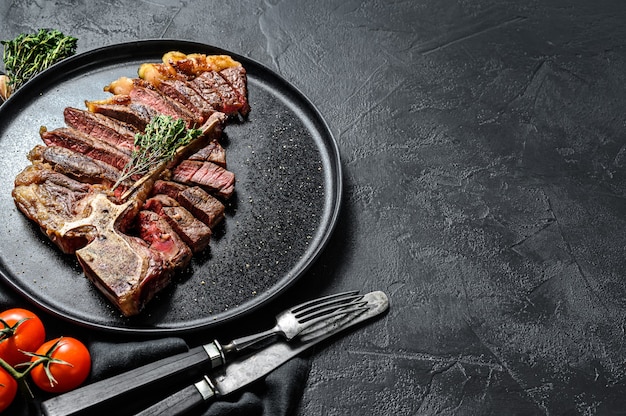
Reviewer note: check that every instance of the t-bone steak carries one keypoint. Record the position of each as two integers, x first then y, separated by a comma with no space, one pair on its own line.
131,235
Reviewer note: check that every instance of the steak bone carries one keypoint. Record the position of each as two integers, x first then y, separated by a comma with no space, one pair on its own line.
121,266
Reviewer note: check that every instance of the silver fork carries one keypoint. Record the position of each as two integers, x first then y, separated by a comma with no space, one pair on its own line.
293,321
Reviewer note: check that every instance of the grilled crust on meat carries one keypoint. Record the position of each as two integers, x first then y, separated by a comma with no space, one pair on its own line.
76,165
212,152
51,200
130,246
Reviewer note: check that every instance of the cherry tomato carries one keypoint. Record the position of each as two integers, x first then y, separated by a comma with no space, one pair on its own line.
69,365
8,389
16,336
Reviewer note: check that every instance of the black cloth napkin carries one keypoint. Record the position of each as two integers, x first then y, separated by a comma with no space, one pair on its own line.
278,394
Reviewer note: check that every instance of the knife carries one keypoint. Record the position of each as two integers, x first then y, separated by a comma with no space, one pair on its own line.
246,370
161,378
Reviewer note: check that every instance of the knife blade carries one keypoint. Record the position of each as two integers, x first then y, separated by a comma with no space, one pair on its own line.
160,378
246,370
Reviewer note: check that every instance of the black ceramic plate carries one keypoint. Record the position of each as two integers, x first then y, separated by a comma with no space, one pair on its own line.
286,203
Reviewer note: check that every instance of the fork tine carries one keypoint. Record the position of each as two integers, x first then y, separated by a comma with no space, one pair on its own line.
328,307
294,320
332,312
312,307
317,301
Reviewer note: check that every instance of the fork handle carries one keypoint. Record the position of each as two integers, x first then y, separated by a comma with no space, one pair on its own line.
242,343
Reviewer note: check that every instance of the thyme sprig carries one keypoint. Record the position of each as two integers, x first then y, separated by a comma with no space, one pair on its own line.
158,144
29,54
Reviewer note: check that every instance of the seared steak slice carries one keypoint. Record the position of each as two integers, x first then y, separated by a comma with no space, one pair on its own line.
51,200
110,130
188,97
158,102
80,142
237,78
207,174
169,188
161,238
202,205
212,152
134,114
75,165
193,232
208,92
211,82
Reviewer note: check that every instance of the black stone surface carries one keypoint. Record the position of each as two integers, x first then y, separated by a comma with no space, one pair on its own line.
484,159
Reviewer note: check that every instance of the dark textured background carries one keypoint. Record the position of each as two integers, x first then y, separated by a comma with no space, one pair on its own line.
483,149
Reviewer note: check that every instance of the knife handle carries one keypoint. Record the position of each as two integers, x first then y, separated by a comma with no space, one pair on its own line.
127,390
183,400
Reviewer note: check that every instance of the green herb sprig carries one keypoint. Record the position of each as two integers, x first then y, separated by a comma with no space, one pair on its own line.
158,144
29,54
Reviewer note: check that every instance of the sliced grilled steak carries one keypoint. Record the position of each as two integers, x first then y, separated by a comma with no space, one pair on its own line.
72,214
169,188
188,97
193,232
161,238
208,92
213,152
158,102
98,126
129,248
81,143
207,174
211,82
75,165
237,78
51,199
134,114
202,205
